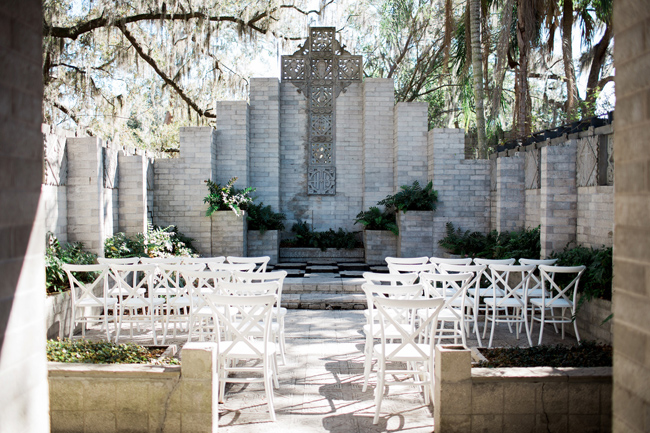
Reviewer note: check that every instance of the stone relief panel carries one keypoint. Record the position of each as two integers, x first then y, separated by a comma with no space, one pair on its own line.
321,180
587,162
531,169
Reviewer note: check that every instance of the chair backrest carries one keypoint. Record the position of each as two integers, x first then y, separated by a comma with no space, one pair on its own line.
398,268
536,280
122,261
231,267
160,260
170,278
240,318
94,290
450,286
406,260
477,271
204,260
437,261
513,281
553,291
133,282
390,279
202,283
389,312
259,262
249,289
489,262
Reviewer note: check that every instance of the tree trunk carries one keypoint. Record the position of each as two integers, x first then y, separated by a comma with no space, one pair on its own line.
567,57
502,60
600,51
523,41
477,72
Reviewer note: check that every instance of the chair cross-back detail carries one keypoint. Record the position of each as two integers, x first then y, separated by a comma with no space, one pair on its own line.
259,262
200,284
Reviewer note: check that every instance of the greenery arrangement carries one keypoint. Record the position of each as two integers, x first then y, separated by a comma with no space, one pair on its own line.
586,354
263,218
227,197
103,352
596,281
158,242
412,197
56,255
519,244
307,238
374,219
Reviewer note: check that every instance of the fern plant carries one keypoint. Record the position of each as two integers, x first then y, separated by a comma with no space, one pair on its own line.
374,219
227,197
412,197
263,218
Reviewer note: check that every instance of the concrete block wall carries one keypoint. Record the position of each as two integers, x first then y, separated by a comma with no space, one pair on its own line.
232,138
133,198
54,205
410,153
137,398
264,156
267,244
180,187
463,185
378,245
23,373
415,234
631,217
532,217
510,194
228,234
595,220
558,210
378,113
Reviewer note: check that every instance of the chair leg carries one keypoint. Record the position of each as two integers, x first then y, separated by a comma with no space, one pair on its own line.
494,324
379,391
268,387
541,324
367,363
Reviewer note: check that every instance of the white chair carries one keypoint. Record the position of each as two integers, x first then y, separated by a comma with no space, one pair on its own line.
399,268
136,298
556,296
371,328
452,287
204,260
416,356
279,312
510,307
437,261
201,284
406,260
378,278
488,291
244,324
90,304
231,267
535,285
121,261
260,262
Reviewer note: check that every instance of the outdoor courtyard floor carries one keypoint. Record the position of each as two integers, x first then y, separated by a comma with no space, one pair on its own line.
320,387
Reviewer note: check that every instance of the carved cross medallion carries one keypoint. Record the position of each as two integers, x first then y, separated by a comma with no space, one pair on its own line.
321,69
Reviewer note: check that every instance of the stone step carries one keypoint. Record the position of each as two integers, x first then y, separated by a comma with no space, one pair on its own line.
353,267
325,301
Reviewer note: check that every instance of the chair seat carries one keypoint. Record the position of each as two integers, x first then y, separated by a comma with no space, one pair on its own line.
483,292
391,331
243,350
110,302
500,302
407,353
532,293
139,303
558,303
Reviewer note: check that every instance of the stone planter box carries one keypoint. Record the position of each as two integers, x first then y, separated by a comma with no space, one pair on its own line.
267,244
89,398
58,315
415,234
307,254
228,234
518,399
590,318
378,245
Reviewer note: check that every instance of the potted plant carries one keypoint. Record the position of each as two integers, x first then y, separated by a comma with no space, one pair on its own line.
379,235
263,231
414,206
228,228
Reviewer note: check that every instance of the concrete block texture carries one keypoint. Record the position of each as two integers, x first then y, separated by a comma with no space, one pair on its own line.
267,244
228,234
510,194
378,245
415,234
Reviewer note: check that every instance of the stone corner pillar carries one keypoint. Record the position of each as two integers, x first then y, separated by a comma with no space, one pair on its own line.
200,388
415,233
510,193
453,389
229,236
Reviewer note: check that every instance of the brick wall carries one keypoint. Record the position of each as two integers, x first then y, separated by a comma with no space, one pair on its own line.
595,223
510,194
232,139
133,200
23,374
532,208
632,225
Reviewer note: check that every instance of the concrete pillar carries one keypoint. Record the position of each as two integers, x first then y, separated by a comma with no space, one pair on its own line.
233,143
453,389
132,214
510,194
558,197
415,233
410,144
199,388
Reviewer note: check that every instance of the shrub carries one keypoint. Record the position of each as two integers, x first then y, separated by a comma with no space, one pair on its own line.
263,218
596,281
159,242
519,244
306,238
226,197
103,352
56,255
374,219
412,197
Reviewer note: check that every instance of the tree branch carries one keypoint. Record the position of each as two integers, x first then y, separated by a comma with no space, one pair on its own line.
161,74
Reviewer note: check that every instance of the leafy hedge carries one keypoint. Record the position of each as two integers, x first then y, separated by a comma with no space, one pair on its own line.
159,242
412,197
263,218
103,352
56,255
586,354
307,238
596,282
374,219
494,245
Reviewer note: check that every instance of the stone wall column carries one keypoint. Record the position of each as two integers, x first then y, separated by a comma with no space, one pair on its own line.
133,201
558,197
199,388
264,124
510,194
233,143
453,389
410,144
85,193
378,112
415,234
229,234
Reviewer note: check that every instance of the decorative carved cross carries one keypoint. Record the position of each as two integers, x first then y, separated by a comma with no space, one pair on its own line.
321,69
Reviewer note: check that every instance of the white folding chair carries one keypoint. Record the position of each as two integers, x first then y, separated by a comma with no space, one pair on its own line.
121,261
488,291
204,260
378,278
437,261
409,351
452,287
406,260
199,285
231,267
510,307
556,296
90,304
535,285
371,328
260,262
399,268
244,324
473,287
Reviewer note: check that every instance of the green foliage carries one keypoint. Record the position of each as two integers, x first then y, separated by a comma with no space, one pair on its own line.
374,219
263,218
412,197
159,242
226,197
307,238
103,352
56,255
586,354
596,281
494,245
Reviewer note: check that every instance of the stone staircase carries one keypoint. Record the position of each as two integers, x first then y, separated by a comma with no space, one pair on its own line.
325,285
